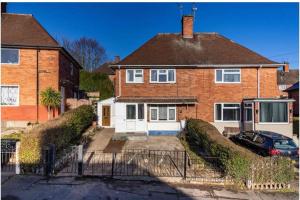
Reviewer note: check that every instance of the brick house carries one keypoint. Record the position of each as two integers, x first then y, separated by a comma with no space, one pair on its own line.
206,76
293,93
31,61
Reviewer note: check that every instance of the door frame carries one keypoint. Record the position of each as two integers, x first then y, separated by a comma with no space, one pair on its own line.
106,105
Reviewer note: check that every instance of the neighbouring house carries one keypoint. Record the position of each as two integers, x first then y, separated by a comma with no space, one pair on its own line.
31,61
176,76
293,92
106,69
287,79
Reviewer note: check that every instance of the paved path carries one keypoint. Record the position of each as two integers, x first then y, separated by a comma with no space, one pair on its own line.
101,139
36,188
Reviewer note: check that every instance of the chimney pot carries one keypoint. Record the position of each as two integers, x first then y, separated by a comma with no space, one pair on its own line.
187,26
117,59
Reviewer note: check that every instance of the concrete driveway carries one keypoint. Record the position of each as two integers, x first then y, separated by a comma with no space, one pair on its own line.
65,188
102,140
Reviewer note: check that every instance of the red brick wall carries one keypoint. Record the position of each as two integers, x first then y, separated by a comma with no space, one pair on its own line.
25,75
201,83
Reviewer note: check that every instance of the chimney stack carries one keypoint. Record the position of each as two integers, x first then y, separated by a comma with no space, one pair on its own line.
286,67
117,59
187,26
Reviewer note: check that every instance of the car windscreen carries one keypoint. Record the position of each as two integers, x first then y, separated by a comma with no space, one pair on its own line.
284,144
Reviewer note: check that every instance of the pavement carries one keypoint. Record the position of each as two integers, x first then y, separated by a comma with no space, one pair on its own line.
36,188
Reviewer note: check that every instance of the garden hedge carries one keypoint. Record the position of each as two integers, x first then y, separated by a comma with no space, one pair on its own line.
61,132
232,159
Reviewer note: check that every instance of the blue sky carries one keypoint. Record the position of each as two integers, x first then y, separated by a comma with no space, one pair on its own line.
270,29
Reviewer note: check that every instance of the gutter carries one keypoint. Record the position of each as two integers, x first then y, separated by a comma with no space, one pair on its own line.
119,84
204,65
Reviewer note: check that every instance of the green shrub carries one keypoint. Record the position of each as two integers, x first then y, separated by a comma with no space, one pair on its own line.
232,159
61,132
14,136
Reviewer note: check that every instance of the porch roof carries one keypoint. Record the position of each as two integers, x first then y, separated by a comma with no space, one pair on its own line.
269,99
159,99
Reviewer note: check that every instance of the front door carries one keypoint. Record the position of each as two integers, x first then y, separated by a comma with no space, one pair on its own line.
135,117
105,115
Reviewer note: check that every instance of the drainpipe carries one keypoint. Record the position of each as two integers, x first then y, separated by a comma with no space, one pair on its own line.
37,85
258,82
119,67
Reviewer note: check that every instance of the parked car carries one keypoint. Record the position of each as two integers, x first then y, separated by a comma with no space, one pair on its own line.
267,143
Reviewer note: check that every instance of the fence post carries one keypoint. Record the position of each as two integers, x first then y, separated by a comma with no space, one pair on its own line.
184,167
80,160
18,170
46,160
52,158
113,164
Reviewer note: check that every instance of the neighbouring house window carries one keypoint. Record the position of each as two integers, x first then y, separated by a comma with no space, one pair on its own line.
130,112
10,95
272,112
9,56
134,76
248,112
228,75
162,113
162,76
227,112
140,111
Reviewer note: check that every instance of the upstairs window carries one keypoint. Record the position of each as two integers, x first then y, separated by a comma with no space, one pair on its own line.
228,76
162,76
227,112
9,95
9,56
134,76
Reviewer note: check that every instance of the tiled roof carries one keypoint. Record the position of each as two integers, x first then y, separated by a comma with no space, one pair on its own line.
293,87
159,99
204,48
287,78
24,30
105,69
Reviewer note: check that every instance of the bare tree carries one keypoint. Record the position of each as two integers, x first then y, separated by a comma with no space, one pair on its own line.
88,52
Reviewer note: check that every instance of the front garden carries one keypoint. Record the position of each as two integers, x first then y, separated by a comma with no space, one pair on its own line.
240,164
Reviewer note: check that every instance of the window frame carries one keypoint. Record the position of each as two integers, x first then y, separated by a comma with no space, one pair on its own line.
157,76
222,107
19,57
18,98
287,112
135,106
223,74
156,107
134,78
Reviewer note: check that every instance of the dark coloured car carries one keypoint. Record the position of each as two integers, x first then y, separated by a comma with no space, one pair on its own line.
267,143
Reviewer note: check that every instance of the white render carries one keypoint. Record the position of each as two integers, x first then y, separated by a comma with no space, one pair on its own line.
106,102
281,128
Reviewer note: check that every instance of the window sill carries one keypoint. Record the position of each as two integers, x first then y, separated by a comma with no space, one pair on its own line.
163,121
272,123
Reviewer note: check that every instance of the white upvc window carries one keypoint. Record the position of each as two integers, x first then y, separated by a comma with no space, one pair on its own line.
9,95
134,76
162,76
10,56
162,113
227,112
228,75
273,112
